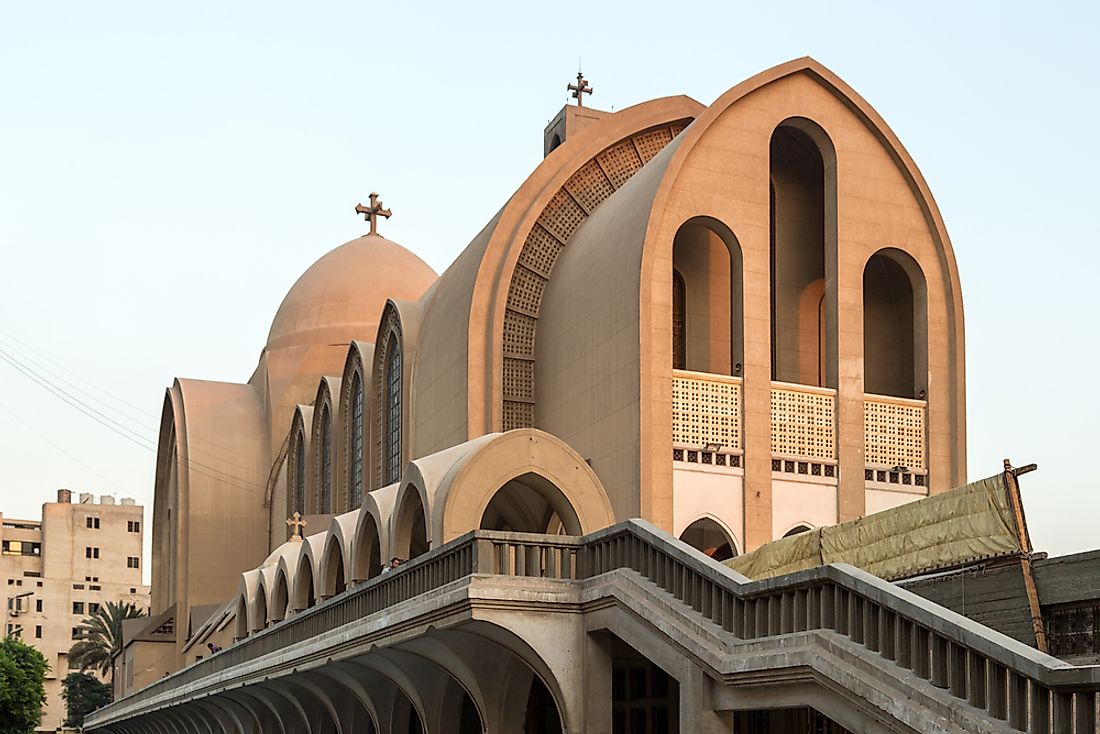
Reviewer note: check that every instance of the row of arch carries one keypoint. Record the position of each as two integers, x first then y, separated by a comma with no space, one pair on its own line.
352,438
522,481
708,290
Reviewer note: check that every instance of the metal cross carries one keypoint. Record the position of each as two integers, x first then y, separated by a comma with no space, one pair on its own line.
297,523
372,212
580,88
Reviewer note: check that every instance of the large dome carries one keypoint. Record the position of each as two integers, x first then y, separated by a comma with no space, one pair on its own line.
341,296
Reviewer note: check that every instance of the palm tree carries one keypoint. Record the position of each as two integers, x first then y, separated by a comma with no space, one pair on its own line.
101,636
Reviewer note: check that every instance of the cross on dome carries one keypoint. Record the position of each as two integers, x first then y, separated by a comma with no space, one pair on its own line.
580,88
372,212
297,523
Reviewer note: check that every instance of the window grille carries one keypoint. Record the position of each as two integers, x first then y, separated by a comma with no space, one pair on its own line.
393,410
326,462
355,450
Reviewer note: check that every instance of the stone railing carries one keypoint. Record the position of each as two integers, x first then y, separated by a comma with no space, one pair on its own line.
706,410
894,431
1010,681
803,421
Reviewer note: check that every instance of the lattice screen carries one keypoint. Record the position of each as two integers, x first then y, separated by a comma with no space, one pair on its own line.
706,411
585,190
893,434
803,424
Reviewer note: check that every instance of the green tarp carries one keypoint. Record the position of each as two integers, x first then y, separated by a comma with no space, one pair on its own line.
951,529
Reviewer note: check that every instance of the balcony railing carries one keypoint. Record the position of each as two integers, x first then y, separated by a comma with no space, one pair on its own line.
1006,679
706,410
894,431
803,421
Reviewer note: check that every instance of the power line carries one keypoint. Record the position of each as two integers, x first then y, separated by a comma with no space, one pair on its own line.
122,430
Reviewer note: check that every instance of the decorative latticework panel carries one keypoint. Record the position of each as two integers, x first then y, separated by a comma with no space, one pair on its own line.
518,415
519,334
585,190
706,410
677,128
803,423
525,293
540,251
653,142
519,379
562,215
589,186
894,433
620,162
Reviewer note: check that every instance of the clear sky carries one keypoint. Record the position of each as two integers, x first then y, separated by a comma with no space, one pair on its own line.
167,170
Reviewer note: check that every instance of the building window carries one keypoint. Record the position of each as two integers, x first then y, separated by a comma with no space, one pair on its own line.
679,337
355,450
325,506
78,607
93,607
20,548
77,634
38,631
91,552
133,590
133,526
38,605
78,587
300,477
132,562
392,411
92,522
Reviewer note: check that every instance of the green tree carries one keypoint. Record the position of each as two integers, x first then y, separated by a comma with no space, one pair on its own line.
101,637
83,694
22,686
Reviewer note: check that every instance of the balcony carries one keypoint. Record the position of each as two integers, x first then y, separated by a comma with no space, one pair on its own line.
803,422
706,417
894,431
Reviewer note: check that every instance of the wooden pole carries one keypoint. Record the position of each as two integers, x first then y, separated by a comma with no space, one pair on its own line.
1012,486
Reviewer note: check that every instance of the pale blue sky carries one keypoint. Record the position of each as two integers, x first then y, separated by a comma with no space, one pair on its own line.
168,170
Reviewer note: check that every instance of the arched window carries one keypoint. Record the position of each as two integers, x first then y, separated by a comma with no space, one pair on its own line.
391,455
325,504
796,530
299,503
679,345
355,445
895,326
803,231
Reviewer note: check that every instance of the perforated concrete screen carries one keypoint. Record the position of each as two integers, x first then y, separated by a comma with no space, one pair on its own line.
803,422
706,410
893,431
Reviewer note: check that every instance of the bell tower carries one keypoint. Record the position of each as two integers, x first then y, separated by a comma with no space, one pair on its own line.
572,118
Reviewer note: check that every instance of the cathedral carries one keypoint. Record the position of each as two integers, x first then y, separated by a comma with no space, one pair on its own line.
712,325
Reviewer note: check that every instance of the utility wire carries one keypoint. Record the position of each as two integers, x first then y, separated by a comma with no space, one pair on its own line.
120,429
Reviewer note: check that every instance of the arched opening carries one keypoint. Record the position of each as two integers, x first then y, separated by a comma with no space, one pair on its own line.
260,621
367,550
333,578
411,528
240,620
280,600
895,326
555,143
304,594
802,232
324,500
707,305
391,412
708,536
530,503
542,713
299,492
355,443
797,530
469,721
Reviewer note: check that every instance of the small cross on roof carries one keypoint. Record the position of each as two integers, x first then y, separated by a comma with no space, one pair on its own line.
580,88
372,212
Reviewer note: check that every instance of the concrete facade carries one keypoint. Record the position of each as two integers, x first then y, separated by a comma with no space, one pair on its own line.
731,321
57,570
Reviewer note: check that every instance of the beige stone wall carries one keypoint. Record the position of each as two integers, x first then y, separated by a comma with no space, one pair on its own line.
65,576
